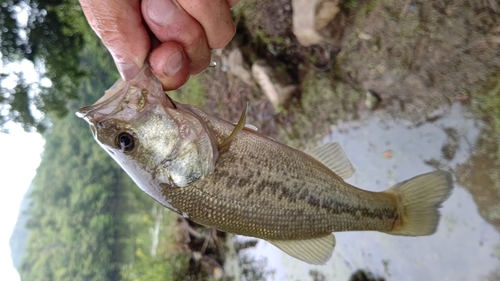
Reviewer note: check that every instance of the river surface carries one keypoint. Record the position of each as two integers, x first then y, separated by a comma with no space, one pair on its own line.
384,152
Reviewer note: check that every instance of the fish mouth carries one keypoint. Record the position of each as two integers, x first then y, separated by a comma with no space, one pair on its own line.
106,104
130,96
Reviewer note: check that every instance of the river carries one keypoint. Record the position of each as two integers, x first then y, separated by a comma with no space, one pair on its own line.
465,247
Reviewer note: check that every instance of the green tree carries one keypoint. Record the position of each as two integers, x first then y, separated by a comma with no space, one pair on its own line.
52,39
79,199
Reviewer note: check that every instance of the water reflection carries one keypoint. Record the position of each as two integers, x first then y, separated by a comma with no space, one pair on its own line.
465,247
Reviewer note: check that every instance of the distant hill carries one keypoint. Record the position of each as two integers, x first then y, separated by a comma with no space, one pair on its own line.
20,234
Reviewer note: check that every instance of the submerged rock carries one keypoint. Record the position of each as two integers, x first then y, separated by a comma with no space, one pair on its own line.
363,275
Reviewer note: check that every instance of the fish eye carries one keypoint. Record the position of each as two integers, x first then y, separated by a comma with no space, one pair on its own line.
125,142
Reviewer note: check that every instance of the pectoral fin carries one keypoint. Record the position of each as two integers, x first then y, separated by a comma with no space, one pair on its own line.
333,156
239,126
313,251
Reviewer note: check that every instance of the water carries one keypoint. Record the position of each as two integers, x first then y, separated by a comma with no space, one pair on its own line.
465,246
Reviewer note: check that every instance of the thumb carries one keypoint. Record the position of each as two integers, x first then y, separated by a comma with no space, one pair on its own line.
119,25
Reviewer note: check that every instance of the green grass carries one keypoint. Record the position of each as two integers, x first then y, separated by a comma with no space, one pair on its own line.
350,4
193,92
323,102
486,106
489,103
364,10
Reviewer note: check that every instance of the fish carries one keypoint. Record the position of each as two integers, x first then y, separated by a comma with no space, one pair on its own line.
235,179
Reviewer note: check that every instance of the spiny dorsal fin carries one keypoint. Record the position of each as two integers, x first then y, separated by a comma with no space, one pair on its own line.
313,251
239,126
333,156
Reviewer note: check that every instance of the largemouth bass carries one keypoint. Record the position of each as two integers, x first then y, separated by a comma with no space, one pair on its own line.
232,178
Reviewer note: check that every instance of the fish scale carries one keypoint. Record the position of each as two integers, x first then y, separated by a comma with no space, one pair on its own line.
274,196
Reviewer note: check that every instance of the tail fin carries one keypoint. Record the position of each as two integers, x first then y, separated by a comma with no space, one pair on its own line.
420,198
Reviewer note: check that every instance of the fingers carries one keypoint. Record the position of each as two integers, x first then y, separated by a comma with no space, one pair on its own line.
215,18
232,3
169,22
186,31
168,63
196,25
119,25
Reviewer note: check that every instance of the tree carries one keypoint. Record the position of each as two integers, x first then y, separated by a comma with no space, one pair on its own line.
76,218
52,39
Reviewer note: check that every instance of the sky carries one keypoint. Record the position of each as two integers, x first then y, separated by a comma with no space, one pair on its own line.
19,157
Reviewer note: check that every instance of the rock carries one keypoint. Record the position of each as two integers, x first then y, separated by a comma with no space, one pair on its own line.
238,67
304,13
310,16
372,99
276,86
326,12
364,36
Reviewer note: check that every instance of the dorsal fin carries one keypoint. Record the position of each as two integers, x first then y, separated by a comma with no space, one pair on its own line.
239,126
333,156
313,251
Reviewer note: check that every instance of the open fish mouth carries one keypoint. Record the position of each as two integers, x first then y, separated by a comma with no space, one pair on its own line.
106,105
127,95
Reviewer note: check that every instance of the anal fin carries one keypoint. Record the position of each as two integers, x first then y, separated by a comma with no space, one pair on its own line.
314,251
333,156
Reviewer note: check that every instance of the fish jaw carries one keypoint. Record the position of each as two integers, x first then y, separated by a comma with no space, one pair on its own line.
169,145
127,97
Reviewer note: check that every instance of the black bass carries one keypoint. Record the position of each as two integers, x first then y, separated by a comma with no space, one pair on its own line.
232,178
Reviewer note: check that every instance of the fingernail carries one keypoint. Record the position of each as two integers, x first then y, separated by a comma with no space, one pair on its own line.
128,70
174,64
159,11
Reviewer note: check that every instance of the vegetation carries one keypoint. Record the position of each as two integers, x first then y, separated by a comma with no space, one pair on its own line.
489,104
193,92
77,198
167,261
51,39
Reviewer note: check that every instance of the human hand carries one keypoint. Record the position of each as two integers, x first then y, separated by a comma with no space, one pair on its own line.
182,33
